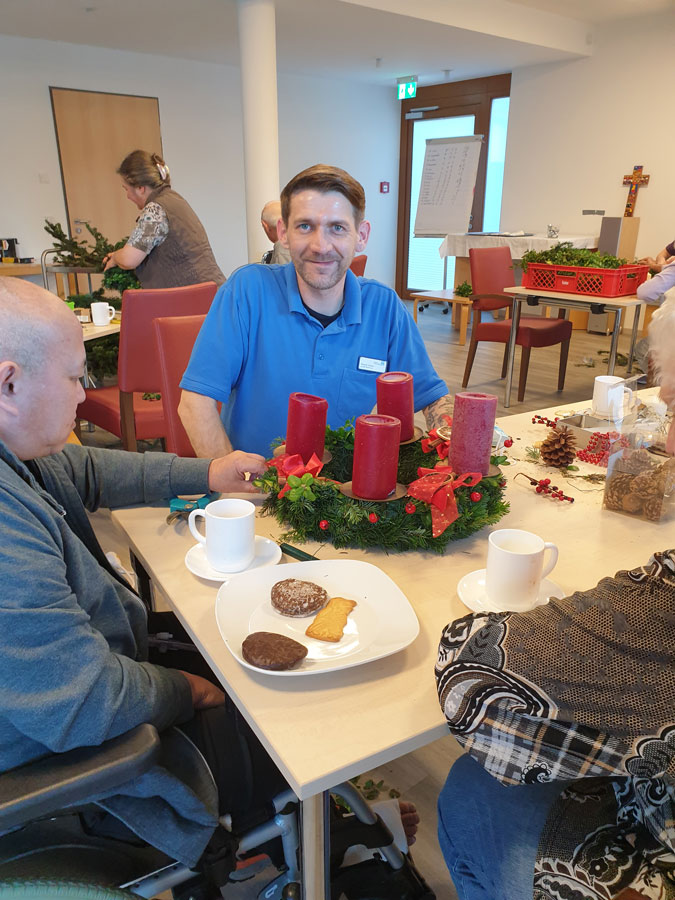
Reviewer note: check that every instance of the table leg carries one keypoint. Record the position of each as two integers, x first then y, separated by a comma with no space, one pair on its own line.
315,847
615,341
463,323
633,338
415,302
510,359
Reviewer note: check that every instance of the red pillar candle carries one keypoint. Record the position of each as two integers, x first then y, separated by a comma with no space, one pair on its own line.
473,422
395,398
376,440
306,427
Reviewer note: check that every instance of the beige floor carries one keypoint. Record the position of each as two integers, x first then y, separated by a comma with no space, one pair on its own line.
420,775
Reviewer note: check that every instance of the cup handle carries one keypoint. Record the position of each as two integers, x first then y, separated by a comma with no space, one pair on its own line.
192,524
111,312
629,393
550,565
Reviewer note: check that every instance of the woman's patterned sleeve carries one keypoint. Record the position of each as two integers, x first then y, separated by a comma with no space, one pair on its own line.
152,227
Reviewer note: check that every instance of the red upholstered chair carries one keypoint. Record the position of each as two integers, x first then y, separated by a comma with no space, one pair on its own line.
358,264
175,338
491,272
122,410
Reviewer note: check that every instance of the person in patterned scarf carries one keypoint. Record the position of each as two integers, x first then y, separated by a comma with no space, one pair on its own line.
574,704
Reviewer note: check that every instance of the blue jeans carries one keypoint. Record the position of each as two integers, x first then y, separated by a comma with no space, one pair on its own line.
489,832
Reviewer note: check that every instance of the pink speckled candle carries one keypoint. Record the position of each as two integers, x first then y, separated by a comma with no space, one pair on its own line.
473,422
395,398
376,440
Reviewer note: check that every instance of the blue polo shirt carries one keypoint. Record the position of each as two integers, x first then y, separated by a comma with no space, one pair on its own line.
259,344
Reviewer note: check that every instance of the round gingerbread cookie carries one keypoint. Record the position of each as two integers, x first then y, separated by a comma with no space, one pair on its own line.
292,597
267,650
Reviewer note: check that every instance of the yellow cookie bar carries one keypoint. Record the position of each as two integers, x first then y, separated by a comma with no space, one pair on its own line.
330,621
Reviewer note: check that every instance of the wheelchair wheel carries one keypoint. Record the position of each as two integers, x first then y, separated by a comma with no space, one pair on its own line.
43,889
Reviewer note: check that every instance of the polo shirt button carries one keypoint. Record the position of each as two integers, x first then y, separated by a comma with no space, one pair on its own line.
320,355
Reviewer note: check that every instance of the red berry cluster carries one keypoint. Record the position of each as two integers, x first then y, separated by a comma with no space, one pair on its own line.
542,420
544,486
597,449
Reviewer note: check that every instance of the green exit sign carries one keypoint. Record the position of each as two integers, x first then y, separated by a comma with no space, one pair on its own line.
407,90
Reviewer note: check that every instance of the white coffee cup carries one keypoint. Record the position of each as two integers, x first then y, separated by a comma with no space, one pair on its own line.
230,533
102,313
515,568
611,397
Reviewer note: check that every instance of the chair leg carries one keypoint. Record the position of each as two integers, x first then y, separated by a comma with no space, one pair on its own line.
469,361
524,363
78,429
506,359
127,421
564,351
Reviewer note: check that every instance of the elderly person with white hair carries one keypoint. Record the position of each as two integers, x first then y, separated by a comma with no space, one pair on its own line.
269,217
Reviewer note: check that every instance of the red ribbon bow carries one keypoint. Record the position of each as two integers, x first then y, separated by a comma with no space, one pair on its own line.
437,488
292,464
437,442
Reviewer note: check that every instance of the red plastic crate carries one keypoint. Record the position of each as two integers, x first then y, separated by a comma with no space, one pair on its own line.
585,280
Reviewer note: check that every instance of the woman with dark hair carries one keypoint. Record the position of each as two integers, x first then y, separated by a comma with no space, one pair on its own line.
168,247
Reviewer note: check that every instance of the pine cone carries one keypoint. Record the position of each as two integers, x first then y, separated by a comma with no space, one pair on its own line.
559,448
632,502
652,508
646,483
636,461
667,477
616,487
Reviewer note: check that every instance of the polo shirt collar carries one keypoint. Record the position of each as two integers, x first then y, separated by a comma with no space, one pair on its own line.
351,309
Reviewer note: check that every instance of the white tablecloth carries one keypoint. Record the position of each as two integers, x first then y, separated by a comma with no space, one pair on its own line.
460,244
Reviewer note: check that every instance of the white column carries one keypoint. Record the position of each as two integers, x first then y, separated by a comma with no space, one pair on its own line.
258,53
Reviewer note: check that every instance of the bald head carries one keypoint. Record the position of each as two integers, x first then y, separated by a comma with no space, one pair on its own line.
269,217
32,322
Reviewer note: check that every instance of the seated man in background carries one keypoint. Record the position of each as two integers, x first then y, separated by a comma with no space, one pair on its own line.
573,705
269,217
73,633
311,327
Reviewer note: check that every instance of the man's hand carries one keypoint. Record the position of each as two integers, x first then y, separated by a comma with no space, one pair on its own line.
228,473
204,694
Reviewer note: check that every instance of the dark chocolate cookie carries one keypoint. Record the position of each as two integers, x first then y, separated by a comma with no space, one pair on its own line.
267,650
293,597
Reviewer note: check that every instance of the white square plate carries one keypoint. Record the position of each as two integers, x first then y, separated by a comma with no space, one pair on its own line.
383,621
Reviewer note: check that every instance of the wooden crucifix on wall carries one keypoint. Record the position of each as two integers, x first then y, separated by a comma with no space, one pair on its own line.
636,180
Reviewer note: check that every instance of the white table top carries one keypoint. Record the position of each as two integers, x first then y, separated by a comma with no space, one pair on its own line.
460,244
325,728
626,302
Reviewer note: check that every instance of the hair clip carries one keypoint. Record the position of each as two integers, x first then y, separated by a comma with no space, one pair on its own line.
544,486
163,171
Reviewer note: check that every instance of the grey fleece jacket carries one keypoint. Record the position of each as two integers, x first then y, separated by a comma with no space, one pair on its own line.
73,637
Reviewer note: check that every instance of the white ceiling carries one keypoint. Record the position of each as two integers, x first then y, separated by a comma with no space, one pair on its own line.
327,37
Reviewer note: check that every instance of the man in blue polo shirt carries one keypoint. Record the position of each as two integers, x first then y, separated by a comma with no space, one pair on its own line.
308,326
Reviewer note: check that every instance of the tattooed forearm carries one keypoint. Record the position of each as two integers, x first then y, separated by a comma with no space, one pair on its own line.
434,412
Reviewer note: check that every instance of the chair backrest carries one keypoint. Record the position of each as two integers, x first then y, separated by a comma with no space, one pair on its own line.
175,337
491,272
138,363
358,264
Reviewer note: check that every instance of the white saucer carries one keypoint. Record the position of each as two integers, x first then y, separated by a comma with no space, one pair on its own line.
471,591
267,553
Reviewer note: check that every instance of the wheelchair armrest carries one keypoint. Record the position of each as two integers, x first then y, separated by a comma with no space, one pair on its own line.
64,779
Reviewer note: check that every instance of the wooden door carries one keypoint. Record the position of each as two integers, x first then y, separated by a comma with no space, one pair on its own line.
94,132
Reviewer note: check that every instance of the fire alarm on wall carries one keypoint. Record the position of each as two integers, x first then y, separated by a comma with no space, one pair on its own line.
384,187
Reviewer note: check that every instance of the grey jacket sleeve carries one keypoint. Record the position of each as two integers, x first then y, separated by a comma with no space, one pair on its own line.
113,478
62,683
653,289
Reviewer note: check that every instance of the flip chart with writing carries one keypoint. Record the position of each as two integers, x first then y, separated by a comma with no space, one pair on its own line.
448,182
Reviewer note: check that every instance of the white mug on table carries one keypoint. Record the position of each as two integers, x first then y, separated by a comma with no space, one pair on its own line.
515,568
611,398
230,533
102,313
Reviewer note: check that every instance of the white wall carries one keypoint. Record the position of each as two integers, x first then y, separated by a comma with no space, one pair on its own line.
200,112
576,128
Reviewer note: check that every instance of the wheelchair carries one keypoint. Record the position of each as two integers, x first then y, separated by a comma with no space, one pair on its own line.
48,850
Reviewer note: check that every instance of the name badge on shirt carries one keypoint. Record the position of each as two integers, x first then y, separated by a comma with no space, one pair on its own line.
366,364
